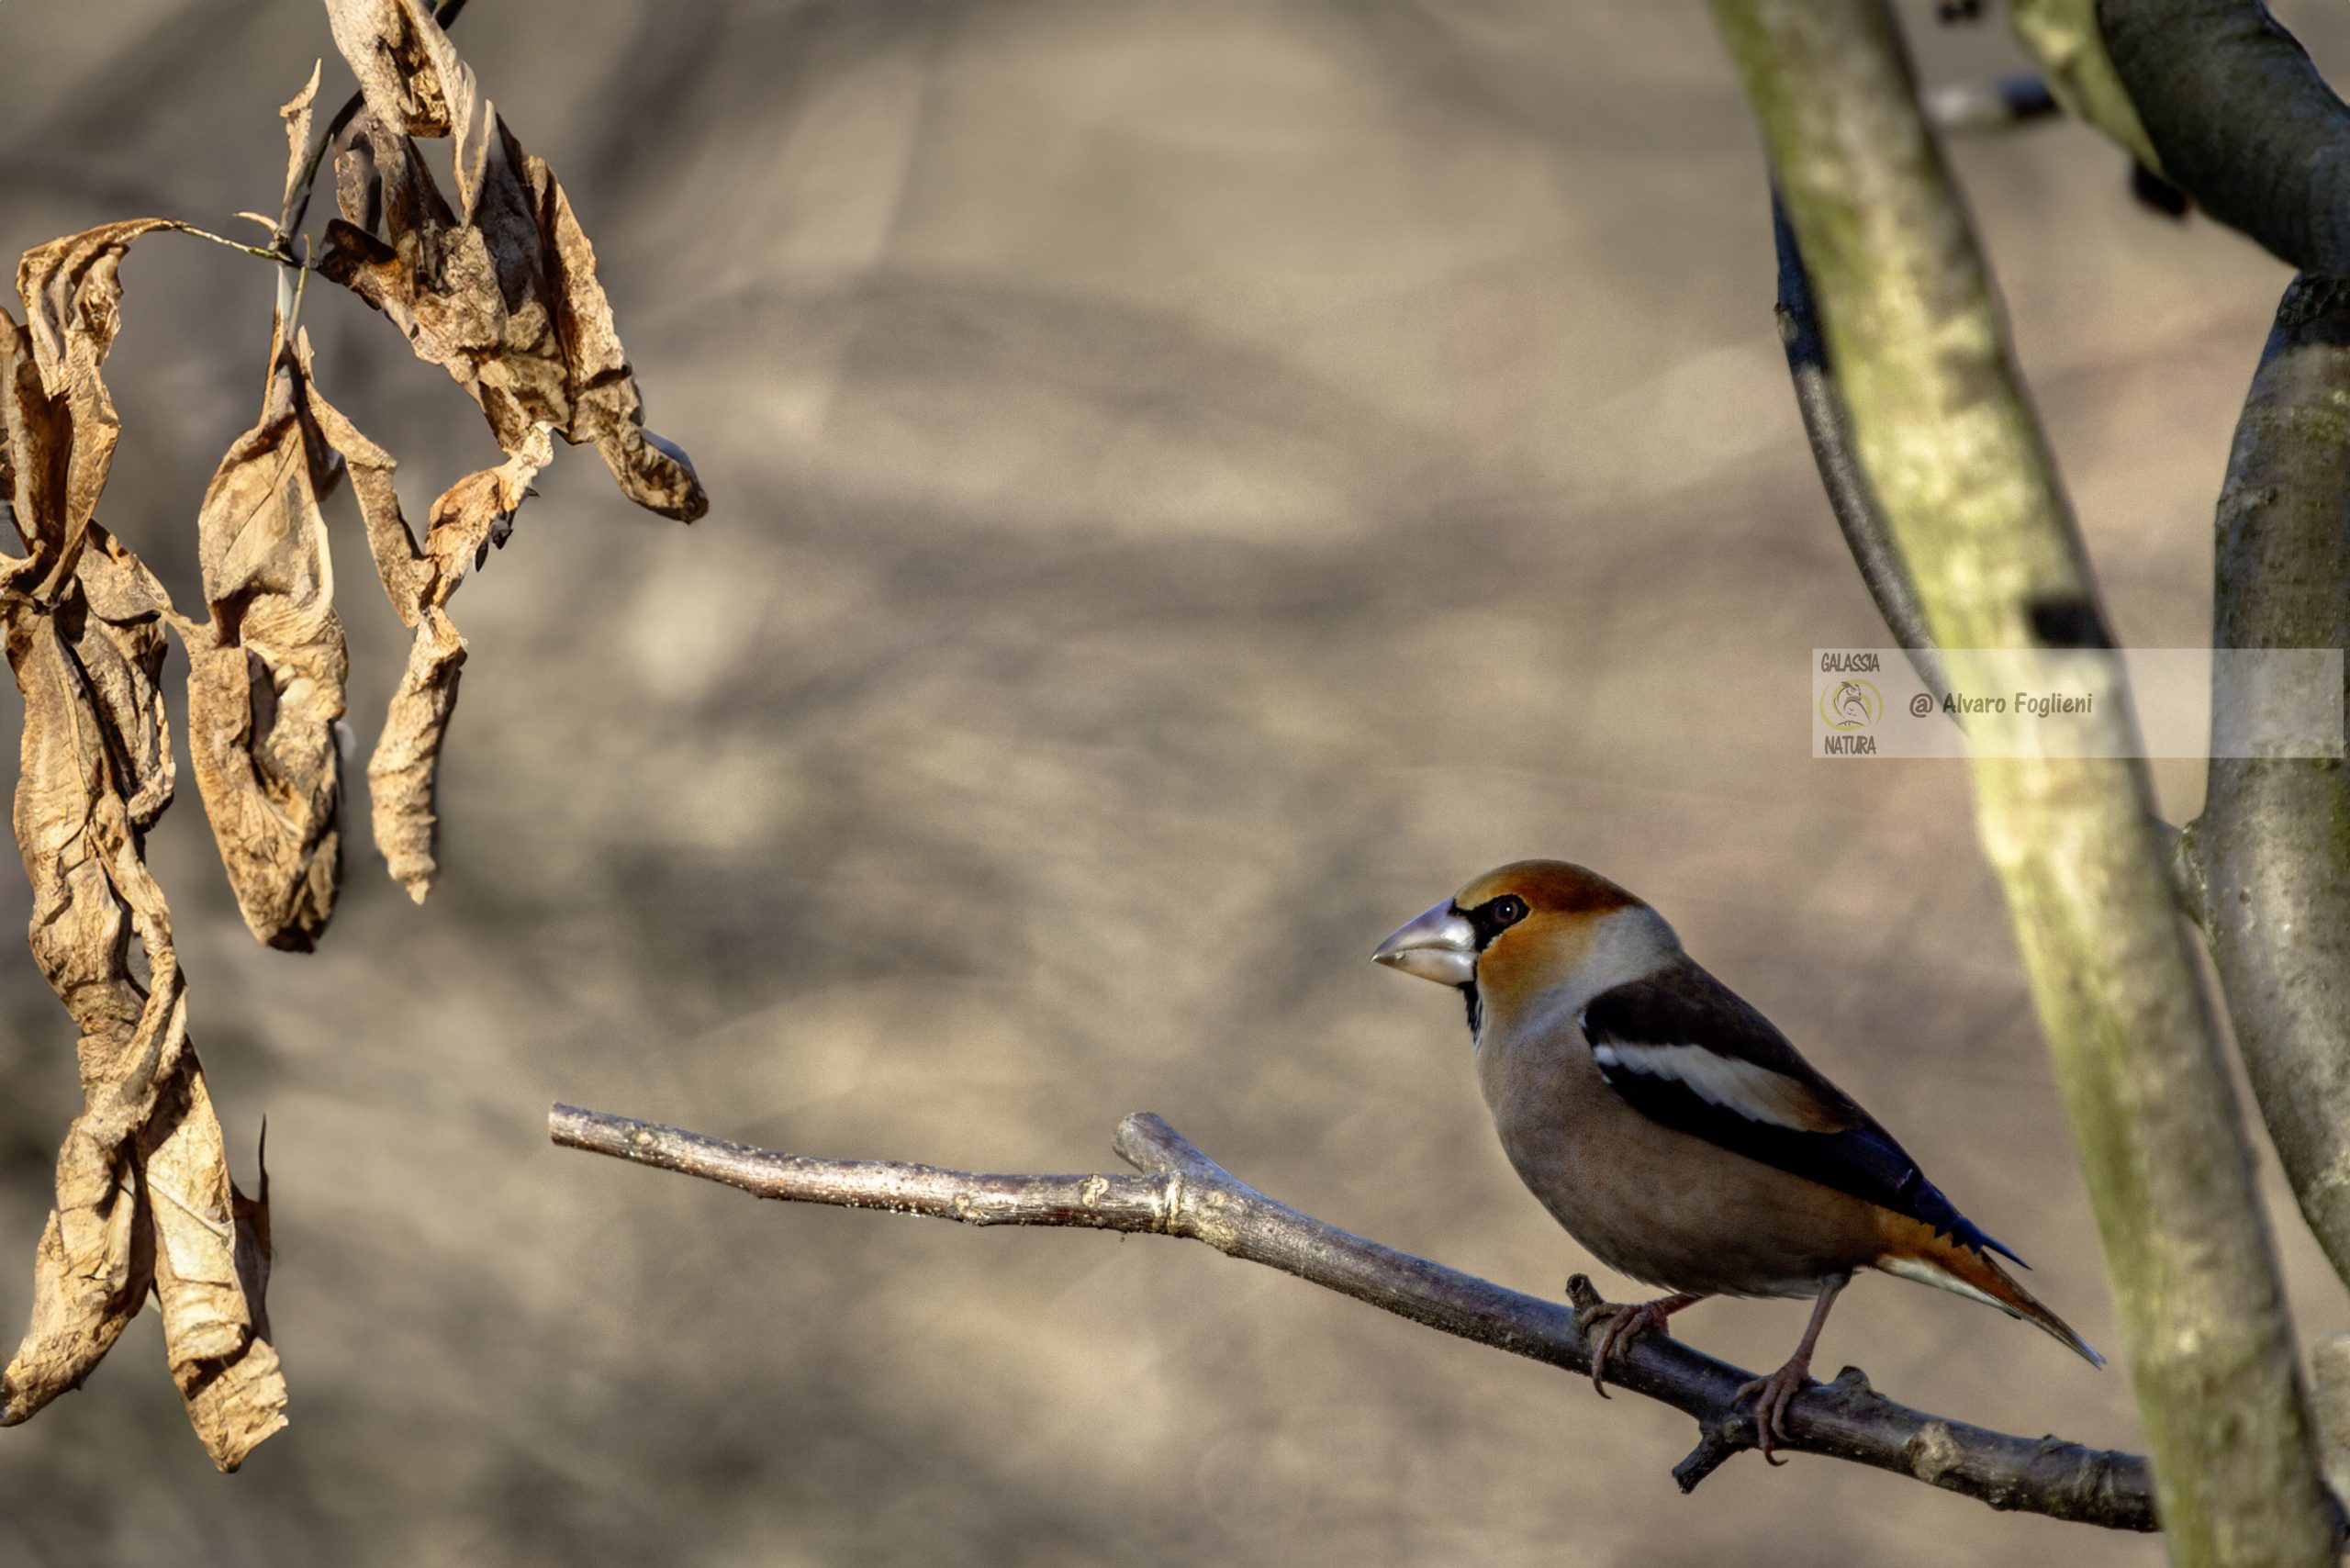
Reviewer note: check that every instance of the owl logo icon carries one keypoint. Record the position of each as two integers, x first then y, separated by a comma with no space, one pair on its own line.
1851,705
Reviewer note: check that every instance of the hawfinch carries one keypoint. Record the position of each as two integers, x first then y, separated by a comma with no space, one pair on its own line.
1672,1129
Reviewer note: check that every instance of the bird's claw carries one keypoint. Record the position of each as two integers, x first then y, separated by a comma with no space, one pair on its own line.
1773,1396
1618,1324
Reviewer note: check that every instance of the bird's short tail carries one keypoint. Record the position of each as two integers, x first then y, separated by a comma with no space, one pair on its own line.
1941,1261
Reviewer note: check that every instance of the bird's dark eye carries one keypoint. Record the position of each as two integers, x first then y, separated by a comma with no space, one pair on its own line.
1495,917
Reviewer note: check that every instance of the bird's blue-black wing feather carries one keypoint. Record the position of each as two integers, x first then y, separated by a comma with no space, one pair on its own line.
1801,1124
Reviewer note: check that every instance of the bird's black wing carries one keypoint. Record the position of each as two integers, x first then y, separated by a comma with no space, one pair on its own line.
1685,1050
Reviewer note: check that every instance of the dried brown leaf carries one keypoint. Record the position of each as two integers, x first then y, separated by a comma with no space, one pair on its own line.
438,281
36,460
477,512
381,186
74,299
143,1198
265,673
400,774
403,772
504,295
121,654
114,605
81,847
407,69
210,1273
295,113
606,406
471,515
86,1292
93,1265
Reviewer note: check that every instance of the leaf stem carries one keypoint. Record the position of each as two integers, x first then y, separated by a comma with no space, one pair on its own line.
282,258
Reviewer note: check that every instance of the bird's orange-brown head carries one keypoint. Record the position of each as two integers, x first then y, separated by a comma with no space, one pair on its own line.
1518,932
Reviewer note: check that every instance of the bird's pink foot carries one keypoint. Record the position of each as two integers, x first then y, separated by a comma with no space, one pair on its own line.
1620,1323
1772,1397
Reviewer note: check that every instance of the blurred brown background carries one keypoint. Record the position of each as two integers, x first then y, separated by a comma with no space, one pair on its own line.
1194,482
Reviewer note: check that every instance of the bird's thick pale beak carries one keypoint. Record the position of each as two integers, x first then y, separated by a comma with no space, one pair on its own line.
1440,945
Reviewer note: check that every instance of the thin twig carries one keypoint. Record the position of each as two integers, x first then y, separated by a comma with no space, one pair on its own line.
1184,1193
264,252
1866,533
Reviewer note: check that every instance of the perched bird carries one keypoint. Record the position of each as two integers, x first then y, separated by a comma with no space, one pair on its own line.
1673,1130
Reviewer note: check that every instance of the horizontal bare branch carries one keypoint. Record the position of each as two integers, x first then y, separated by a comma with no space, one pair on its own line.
1184,1193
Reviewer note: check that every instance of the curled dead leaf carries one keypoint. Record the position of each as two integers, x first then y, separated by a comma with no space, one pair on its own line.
143,1197
473,513
74,302
267,671
477,512
295,113
503,294
211,1270
93,1266
407,69
403,773
121,654
36,465
470,516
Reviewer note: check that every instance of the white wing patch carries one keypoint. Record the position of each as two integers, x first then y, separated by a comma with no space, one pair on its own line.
1753,1091
1927,1273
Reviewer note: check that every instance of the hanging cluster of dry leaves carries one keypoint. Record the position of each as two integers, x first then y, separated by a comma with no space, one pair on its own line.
501,291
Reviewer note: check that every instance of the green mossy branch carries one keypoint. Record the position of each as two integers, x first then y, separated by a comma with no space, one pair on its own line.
1956,461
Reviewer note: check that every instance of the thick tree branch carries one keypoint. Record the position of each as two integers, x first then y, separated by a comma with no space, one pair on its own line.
2273,839
1184,1193
1956,462
2239,117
